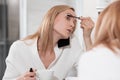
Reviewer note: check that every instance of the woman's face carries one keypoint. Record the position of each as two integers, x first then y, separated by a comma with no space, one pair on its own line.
64,25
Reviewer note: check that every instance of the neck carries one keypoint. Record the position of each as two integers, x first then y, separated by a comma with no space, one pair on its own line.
56,38
48,50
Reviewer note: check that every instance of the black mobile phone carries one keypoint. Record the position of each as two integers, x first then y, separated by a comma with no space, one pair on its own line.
63,42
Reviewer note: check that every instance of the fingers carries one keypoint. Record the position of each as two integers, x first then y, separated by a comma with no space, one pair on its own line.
86,22
28,76
87,25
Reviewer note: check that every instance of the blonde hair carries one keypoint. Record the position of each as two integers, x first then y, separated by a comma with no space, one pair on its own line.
45,31
108,26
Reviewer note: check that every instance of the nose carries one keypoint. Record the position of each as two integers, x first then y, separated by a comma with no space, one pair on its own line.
72,24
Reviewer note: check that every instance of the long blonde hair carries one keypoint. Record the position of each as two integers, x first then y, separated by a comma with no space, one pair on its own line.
45,31
108,26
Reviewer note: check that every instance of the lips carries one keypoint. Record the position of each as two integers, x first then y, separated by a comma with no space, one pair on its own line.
70,30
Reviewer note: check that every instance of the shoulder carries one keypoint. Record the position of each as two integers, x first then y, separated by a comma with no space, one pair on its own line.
99,61
22,43
16,47
99,56
99,50
96,53
17,44
19,47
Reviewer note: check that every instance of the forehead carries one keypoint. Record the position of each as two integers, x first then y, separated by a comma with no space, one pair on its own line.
68,11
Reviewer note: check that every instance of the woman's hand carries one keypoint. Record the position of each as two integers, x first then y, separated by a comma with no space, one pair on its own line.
28,76
87,24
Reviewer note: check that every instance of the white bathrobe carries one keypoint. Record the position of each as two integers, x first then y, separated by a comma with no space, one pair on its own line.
100,63
23,56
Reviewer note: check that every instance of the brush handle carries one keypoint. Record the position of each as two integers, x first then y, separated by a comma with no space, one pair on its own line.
31,70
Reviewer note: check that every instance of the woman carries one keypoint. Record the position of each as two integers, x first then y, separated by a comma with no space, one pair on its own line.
45,50
102,62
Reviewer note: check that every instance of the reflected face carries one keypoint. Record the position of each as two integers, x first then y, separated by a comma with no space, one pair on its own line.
64,25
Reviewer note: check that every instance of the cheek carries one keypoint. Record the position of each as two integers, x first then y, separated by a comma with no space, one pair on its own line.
59,26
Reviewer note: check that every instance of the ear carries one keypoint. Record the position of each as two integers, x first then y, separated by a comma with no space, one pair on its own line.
63,42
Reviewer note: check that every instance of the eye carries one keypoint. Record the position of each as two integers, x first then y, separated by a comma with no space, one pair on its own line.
68,18
75,22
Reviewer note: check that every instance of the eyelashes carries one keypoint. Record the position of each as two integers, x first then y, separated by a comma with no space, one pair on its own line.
69,15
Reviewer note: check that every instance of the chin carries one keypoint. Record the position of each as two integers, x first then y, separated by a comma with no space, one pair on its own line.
65,37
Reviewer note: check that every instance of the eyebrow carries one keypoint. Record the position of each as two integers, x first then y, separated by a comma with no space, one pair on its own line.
70,15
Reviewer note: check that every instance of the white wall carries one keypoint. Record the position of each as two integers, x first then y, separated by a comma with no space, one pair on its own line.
89,8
